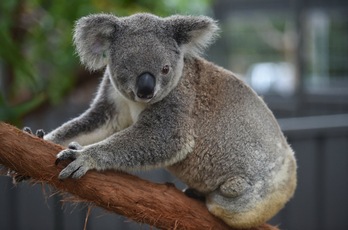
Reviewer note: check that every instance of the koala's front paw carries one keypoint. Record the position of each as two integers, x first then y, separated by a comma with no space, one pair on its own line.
40,133
75,145
66,154
78,167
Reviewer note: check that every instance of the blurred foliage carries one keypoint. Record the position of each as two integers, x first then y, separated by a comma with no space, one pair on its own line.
37,61
338,46
253,38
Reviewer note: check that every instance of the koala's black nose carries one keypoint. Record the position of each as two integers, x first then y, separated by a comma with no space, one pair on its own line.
145,86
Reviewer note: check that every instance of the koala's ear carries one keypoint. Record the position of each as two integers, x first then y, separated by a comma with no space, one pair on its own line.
93,36
193,33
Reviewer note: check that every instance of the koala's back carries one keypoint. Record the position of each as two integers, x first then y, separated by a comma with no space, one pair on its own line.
235,135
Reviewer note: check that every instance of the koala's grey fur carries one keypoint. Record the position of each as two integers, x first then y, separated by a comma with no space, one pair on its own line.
202,123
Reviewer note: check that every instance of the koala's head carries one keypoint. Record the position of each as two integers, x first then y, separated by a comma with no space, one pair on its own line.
144,54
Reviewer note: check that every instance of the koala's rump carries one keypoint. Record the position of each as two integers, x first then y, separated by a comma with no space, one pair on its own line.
235,132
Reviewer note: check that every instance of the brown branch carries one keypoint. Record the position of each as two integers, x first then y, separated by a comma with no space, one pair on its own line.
159,205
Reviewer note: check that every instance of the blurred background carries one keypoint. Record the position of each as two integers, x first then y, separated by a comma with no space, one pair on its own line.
292,52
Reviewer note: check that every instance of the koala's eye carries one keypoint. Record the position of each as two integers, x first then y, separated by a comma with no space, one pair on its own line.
165,70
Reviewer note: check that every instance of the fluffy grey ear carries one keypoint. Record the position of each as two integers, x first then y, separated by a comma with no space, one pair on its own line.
92,37
193,33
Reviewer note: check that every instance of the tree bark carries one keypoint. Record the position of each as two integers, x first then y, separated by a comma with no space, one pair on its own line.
159,205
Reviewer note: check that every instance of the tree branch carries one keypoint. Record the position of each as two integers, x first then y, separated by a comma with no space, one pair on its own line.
159,205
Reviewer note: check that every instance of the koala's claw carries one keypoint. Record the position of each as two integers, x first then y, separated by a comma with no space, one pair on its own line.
66,154
75,146
40,133
70,153
27,130
77,168
58,160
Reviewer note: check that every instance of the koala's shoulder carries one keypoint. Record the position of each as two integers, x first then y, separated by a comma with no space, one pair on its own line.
210,77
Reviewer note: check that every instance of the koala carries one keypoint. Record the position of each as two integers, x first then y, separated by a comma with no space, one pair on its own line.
160,104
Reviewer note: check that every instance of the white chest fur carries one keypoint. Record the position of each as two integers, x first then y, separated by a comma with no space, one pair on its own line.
135,108
128,111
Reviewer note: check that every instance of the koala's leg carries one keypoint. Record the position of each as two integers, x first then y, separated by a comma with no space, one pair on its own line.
234,187
95,124
153,141
233,202
92,126
242,204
